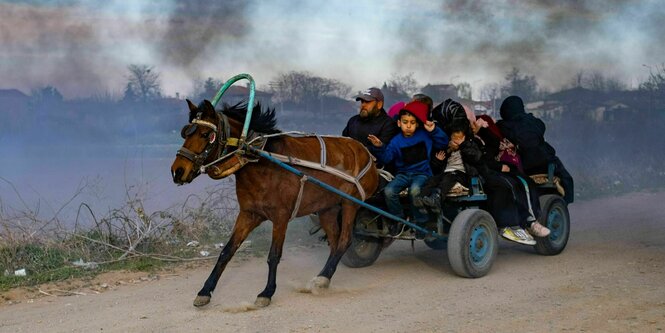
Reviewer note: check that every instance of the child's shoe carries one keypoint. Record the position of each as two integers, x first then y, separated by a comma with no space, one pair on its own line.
433,201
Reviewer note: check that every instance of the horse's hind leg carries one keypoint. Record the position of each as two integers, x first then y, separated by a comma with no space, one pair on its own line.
278,235
339,246
330,225
245,223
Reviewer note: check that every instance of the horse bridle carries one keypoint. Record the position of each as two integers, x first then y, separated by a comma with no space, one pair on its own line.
224,140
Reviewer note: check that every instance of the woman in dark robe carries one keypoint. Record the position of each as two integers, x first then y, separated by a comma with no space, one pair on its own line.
512,196
528,133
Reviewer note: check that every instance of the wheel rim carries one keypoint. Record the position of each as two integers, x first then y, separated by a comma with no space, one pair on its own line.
480,244
557,224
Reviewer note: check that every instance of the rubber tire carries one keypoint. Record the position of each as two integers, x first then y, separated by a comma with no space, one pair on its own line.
364,250
554,216
436,244
472,223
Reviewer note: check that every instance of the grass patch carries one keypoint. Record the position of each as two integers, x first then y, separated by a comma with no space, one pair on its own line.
50,263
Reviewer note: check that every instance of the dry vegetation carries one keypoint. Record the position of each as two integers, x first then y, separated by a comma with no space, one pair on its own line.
128,237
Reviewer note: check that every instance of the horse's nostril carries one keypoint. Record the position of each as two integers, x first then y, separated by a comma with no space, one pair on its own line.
178,174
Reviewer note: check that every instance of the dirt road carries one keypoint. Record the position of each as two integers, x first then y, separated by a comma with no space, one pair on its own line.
610,278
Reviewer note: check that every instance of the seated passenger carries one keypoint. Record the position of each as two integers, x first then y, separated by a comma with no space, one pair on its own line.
528,133
409,151
457,164
447,112
420,97
371,119
512,198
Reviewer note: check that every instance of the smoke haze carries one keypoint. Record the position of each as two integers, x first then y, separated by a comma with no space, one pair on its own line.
83,47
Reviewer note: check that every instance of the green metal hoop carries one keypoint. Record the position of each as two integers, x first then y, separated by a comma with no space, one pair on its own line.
250,103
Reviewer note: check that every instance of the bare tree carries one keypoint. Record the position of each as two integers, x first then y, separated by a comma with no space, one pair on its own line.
206,89
306,89
596,81
491,92
656,80
403,84
143,83
517,84
578,79
464,90
47,94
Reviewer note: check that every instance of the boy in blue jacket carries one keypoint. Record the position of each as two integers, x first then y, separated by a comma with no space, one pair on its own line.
410,152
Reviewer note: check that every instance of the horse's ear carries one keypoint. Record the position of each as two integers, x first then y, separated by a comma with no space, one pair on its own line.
208,105
192,107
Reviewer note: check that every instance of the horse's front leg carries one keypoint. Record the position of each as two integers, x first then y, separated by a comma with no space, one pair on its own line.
278,235
338,247
245,223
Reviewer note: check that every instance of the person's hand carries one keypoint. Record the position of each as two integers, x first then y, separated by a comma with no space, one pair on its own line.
452,145
505,168
441,155
429,126
375,141
481,123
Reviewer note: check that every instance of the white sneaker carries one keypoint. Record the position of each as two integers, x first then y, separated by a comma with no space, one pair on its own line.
539,230
518,235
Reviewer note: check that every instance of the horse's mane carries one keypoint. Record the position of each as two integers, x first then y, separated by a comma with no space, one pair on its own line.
263,121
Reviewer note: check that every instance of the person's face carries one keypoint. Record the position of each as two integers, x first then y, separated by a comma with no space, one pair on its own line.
457,137
369,108
408,124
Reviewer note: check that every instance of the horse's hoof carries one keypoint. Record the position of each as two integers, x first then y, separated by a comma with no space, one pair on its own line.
319,282
262,302
201,300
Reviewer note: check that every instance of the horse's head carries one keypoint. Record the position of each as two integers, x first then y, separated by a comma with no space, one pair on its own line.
200,134
213,138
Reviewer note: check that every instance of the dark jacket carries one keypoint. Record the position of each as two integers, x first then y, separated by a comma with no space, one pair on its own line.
526,132
471,157
382,126
490,148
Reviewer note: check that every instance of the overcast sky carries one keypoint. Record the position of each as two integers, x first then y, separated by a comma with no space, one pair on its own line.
83,46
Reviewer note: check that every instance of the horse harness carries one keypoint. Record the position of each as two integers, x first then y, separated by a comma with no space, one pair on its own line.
321,167
256,142
224,140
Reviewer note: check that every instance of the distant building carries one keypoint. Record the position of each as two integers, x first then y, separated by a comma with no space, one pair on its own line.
583,103
13,106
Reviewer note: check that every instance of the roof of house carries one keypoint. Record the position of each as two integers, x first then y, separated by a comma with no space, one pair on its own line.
12,93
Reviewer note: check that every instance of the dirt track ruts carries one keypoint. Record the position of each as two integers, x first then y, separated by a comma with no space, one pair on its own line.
610,278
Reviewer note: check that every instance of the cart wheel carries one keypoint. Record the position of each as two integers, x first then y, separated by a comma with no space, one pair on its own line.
554,216
472,243
364,250
436,244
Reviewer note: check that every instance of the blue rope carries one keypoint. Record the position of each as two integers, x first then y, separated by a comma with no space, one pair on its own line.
347,196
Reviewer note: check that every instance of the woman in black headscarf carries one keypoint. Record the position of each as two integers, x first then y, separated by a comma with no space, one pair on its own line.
528,134
512,198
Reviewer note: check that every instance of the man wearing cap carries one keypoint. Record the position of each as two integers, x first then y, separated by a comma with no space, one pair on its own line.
371,120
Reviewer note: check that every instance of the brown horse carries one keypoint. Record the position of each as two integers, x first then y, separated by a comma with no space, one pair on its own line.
266,191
